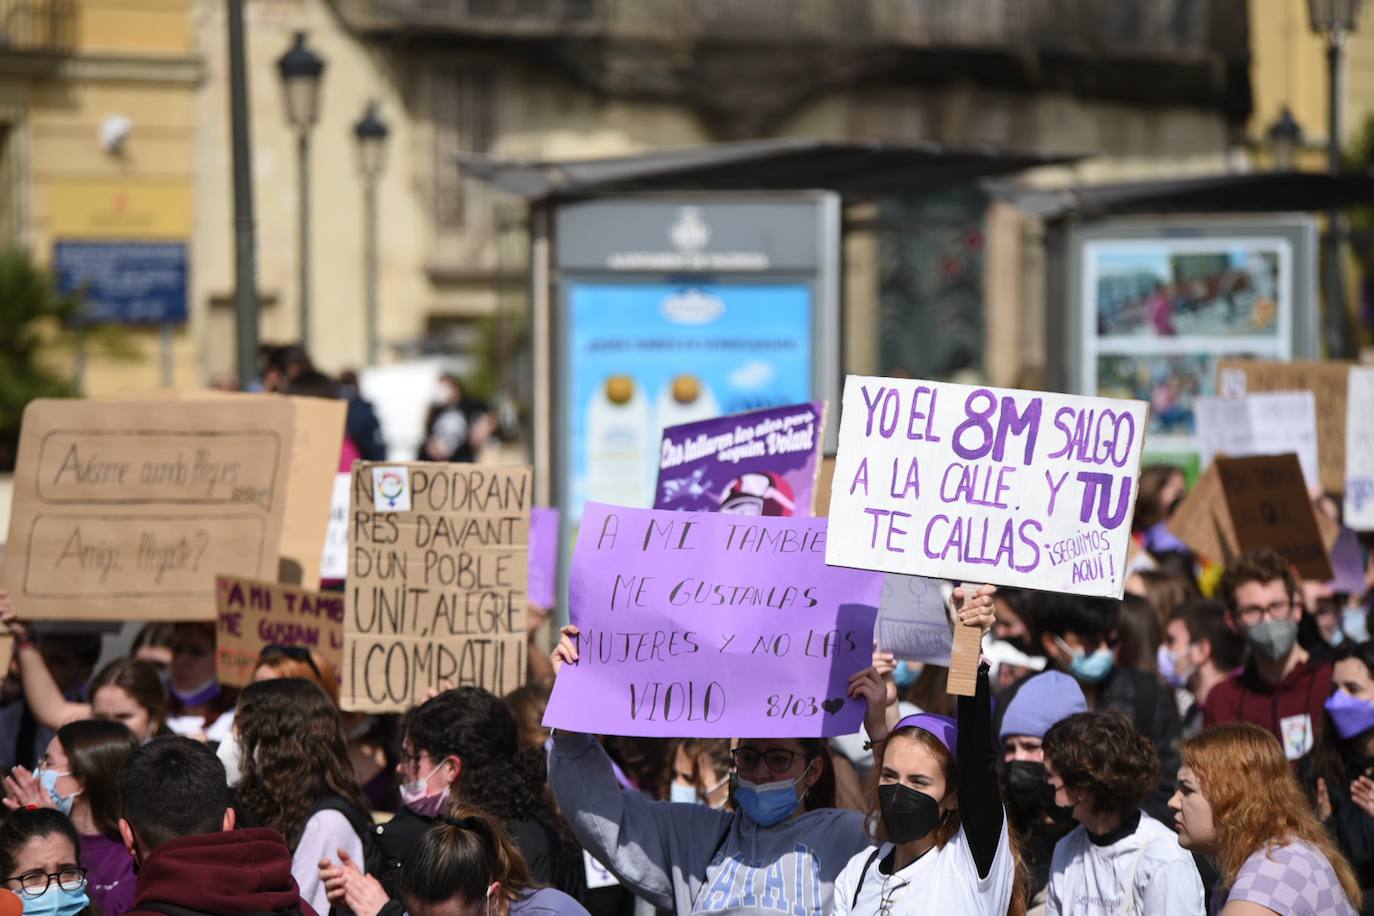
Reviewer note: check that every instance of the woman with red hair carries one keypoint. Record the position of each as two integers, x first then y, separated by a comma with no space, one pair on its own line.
1238,803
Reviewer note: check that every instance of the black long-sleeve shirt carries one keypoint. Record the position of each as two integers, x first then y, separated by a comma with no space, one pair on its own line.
980,801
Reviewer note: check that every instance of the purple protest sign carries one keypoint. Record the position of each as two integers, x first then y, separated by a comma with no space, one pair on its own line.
543,556
714,626
762,462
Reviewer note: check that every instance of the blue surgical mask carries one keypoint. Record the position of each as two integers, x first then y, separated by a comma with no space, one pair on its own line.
683,795
47,778
1090,669
1355,623
905,674
56,902
768,803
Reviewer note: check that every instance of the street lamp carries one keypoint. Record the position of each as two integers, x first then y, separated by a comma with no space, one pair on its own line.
1285,137
301,70
370,131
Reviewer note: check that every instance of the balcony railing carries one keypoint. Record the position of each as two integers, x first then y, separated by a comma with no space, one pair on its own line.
1149,28
37,27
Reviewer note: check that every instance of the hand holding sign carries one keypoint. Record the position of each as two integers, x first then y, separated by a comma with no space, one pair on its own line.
976,617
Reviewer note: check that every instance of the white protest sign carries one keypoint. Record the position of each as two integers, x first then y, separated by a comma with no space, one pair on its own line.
1359,451
334,559
913,621
1263,423
977,484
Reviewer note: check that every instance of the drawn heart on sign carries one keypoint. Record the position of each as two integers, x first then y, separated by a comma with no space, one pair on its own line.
833,705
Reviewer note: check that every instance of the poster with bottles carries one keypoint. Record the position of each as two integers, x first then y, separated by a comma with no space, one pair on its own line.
642,357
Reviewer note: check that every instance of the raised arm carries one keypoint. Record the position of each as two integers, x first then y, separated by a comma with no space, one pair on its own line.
49,706
980,801
643,842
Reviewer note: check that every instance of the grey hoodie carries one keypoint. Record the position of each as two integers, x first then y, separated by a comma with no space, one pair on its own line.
695,859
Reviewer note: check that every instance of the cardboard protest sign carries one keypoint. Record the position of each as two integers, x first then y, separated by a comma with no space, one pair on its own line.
1243,504
913,621
980,484
334,557
762,462
1326,380
543,556
1359,451
437,573
1265,423
125,510
317,440
712,625
255,614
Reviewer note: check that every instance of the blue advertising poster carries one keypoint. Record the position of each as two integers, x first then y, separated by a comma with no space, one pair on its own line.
644,357
125,282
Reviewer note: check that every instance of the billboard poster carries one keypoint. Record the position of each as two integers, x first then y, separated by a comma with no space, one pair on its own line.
645,356
759,463
1161,305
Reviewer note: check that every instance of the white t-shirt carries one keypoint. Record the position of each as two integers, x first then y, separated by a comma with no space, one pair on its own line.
943,881
1143,873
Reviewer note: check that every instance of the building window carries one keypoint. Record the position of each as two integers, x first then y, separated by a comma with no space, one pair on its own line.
463,100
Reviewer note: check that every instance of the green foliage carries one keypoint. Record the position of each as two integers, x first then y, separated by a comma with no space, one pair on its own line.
38,332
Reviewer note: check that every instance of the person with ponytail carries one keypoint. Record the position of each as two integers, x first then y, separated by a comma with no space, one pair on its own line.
79,778
935,807
468,864
463,746
1239,804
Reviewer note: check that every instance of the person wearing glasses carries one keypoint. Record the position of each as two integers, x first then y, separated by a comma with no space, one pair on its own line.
778,852
1282,689
39,852
78,778
1079,637
936,809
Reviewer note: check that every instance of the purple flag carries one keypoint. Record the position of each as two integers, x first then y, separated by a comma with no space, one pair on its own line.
543,556
713,626
758,463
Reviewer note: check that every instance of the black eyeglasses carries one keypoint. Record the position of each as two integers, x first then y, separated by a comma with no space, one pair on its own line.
35,883
295,653
777,759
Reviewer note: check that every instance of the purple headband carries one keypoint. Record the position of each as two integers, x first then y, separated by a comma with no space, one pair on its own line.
943,728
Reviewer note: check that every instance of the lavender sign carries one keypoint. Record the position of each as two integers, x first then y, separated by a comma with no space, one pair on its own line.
762,462
977,484
712,625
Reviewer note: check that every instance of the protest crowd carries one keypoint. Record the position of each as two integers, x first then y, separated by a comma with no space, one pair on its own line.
1201,744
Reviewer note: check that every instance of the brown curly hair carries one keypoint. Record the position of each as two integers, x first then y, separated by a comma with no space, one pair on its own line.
293,753
1229,761
1101,753
1263,565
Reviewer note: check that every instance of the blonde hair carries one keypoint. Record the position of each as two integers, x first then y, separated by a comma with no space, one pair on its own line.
1229,761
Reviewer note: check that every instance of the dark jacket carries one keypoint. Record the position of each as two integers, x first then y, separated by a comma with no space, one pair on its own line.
1246,697
223,874
1148,703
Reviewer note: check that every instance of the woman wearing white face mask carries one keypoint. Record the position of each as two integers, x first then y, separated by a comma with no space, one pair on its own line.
460,747
78,777
699,771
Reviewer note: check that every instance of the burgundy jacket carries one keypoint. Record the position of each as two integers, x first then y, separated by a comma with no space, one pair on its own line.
242,871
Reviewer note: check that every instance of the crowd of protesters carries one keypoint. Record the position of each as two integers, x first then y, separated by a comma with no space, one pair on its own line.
1205,745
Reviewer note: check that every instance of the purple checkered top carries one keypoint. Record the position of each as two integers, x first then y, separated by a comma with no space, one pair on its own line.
1295,880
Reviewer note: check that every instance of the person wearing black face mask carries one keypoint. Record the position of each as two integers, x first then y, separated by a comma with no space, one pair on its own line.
944,847
1036,820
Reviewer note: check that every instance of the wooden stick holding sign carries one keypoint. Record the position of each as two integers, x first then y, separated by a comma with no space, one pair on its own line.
974,615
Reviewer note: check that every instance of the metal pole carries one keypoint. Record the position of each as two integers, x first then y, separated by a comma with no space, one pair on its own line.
1338,334
370,256
303,164
165,345
245,269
